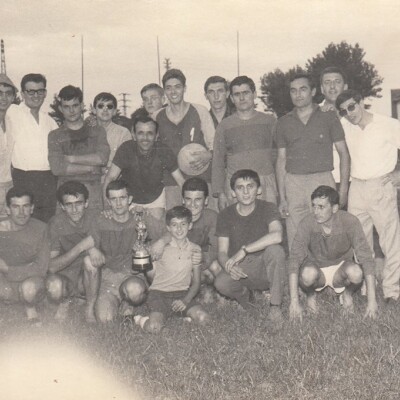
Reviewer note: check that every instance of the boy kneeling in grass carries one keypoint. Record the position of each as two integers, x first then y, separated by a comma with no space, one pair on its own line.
176,279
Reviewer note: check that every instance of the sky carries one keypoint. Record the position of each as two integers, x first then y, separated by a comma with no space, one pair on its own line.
199,37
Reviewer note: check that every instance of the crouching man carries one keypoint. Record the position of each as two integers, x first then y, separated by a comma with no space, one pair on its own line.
322,255
24,253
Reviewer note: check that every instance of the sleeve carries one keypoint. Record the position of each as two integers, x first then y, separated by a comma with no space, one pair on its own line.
395,132
361,248
207,125
299,249
280,134
102,146
120,157
94,232
271,213
125,135
218,162
39,266
57,163
54,236
336,128
222,229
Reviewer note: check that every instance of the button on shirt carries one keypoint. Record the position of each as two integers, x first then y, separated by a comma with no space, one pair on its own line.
30,149
373,150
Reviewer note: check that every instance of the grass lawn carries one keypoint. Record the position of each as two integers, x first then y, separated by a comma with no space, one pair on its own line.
242,356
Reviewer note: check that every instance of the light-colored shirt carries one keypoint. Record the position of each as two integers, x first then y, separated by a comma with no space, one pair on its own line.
116,135
30,149
373,151
6,148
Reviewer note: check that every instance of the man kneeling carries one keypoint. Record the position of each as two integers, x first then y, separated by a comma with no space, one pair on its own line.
322,255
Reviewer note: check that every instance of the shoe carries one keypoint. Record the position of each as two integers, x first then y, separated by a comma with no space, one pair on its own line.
391,301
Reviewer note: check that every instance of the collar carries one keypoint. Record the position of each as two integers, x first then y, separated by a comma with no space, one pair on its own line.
173,243
294,114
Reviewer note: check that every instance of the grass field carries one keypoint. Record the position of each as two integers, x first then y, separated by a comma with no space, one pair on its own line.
242,356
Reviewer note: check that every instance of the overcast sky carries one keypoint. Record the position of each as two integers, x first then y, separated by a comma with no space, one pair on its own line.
198,36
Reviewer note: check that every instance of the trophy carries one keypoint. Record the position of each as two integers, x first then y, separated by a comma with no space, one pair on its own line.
141,260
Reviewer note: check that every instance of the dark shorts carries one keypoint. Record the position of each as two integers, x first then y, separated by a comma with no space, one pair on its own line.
161,302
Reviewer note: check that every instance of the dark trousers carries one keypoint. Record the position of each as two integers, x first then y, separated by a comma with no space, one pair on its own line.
43,186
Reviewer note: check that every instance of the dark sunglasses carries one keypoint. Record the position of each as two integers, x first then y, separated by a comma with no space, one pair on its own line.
350,108
101,106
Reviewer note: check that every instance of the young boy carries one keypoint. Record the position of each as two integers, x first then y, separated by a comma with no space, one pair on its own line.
249,233
176,279
105,108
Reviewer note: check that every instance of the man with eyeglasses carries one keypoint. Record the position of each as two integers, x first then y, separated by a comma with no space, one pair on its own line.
7,95
243,140
373,141
78,151
105,108
31,127
304,138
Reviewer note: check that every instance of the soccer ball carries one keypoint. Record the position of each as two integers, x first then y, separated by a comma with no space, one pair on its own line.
185,157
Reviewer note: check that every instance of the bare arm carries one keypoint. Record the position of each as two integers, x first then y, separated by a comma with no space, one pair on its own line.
280,177
344,156
372,306
177,175
92,159
112,175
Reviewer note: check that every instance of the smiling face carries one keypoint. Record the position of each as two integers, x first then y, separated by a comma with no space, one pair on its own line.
179,228
301,92
332,85
34,94
246,191
20,210
145,135
195,201
174,90
354,111
74,207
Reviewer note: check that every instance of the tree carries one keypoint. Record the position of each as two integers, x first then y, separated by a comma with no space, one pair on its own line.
275,90
362,76
56,114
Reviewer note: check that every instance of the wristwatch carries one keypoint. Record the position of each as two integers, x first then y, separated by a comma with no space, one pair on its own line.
245,250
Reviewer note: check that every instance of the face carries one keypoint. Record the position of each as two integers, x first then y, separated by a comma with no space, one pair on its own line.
246,191
301,92
119,201
145,135
74,206
7,96
216,95
332,85
20,210
34,94
323,210
104,110
152,100
178,228
195,201
243,98
354,111
174,90
71,109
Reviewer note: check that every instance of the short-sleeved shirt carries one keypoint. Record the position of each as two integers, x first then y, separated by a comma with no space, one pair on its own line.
144,173
116,135
242,230
309,146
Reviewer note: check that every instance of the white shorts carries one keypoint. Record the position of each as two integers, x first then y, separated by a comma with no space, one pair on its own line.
159,202
329,273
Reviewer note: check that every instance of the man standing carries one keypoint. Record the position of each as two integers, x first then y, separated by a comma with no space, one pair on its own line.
31,127
217,93
7,95
322,255
78,151
153,98
373,142
243,141
181,123
305,158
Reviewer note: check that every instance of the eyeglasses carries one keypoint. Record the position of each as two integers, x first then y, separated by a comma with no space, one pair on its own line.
100,106
351,107
39,92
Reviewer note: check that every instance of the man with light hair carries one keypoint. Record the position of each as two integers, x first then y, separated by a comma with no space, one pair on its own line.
153,98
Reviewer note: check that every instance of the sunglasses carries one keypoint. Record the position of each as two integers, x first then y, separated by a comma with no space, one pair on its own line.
101,106
350,108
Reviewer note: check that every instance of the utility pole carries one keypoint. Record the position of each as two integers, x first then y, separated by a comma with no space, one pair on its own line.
83,73
158,62
3,58
167,63
124,101
237,51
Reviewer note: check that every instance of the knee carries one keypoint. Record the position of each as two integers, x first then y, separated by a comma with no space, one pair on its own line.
55,288
134,290
222,283
354,273
32,290
215,268
308,275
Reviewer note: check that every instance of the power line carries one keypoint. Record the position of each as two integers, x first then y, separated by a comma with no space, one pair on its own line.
124,102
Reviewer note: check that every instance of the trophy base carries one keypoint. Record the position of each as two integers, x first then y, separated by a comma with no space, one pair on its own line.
142,264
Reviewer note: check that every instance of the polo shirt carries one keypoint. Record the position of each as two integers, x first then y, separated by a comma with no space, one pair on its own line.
144,173
309,146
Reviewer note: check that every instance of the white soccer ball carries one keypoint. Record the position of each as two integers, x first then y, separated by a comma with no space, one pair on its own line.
187,155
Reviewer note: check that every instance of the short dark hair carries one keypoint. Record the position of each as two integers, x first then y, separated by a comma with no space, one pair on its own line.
347,95
18,192
37,78
152,86
332,70
215,79
116,185
245,174
303,75
326,192
144,119
174,74
195,184
243,80
105,96
180,212
72,188
69,93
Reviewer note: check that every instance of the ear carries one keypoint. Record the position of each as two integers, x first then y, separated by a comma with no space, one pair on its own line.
86,203
32,208
345,87
8,211
93,109
335,208
114,112
255,95
130,198
313,91
190,226
206,201
259,191
233,193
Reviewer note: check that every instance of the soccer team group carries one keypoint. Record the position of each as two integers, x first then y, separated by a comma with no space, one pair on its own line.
71,197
